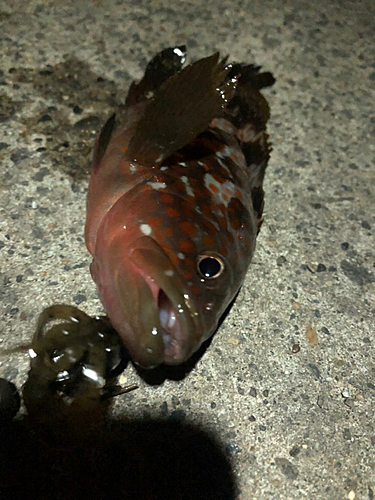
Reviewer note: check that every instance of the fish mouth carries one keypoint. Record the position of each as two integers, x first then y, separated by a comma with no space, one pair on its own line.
162,322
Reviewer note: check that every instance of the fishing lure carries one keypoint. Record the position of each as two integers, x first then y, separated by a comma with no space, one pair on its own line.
74,363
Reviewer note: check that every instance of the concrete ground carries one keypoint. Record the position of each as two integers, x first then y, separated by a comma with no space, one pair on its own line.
288,383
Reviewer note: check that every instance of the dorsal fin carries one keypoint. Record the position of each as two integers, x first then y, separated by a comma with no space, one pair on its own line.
182,108
164,65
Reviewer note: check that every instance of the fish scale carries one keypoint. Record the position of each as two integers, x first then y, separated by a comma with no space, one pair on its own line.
175,202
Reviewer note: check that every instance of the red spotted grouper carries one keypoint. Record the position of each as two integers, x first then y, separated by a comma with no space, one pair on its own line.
175,202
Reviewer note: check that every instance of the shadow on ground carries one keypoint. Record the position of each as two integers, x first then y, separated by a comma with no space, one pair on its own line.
146,459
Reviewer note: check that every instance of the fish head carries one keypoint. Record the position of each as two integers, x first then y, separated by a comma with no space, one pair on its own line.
167,271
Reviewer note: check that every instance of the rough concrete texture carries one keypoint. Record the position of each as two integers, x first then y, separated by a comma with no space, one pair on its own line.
287,385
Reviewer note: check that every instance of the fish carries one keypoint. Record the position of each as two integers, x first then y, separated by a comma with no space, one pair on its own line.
175,201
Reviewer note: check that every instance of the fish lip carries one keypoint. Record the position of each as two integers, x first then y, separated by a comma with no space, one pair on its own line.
172,335
169,293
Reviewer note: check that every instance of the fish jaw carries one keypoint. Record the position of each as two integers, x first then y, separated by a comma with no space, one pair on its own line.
147,302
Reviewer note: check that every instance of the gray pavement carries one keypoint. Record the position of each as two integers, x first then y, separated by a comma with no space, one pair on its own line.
288,383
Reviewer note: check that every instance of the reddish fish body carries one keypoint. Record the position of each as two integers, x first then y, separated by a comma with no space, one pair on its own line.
175,202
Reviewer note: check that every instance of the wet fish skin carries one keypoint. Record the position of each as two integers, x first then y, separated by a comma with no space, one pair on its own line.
175,202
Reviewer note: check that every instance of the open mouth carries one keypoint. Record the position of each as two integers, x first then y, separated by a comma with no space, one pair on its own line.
169,325
161,319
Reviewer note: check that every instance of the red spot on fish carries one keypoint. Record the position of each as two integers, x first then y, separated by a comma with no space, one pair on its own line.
155,222
238,194
187,275
188,209
179,187
208,241
186,246
189,263
222,208
195,290
222,222
213,188
209,228
223,250
188,228
166,232
207,210
171,212
166,198
220,174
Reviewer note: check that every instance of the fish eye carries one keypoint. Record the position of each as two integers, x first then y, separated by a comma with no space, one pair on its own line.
210,266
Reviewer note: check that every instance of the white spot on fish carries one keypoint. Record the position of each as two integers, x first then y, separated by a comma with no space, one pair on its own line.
228,151
248,134
157,185
223,164
154,331
169,272
146,229
182,164
180,255
185,180
224,192
162,169
210,181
